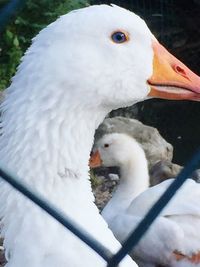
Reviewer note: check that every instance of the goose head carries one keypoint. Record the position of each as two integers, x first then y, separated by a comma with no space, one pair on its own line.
119,60
123,151
117,149
103,56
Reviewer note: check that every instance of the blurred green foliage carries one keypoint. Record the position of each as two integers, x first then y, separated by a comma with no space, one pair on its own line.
19,32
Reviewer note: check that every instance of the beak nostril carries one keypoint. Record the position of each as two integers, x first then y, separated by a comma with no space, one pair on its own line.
180,70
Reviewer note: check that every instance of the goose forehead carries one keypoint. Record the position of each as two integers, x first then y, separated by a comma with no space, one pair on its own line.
104,18
118,15
117,139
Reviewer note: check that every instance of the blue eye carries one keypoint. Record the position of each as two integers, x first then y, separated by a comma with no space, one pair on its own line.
119,37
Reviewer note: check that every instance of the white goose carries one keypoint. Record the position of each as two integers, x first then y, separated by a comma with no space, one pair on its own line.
173,240
79,68
123,151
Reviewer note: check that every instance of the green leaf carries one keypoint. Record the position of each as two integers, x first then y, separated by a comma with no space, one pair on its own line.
16,41
28,22
9,34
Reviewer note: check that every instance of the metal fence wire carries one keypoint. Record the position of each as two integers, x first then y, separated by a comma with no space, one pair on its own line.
9,10
136,235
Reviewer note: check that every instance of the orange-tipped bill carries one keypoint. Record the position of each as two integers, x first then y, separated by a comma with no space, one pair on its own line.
171,79
95,160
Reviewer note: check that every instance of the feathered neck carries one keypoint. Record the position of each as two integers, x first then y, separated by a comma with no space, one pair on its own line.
134,176
134,179
48,123
53,134
47,142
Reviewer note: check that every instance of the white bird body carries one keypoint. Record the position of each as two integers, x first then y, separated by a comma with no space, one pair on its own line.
69,79
173,240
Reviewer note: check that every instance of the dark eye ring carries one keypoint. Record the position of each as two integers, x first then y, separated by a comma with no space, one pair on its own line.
106,145
119,37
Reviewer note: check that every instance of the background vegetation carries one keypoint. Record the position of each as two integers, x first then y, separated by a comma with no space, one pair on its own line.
19,32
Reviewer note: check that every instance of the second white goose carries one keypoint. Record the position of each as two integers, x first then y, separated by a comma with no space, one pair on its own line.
173,240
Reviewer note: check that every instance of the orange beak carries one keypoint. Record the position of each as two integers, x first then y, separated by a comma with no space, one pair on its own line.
95,160
171,79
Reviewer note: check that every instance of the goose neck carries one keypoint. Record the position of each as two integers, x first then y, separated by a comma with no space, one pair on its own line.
134,177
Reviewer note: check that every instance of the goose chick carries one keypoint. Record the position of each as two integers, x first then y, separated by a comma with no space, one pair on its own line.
173,239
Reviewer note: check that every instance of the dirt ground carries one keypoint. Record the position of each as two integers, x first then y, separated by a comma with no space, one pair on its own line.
103,188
